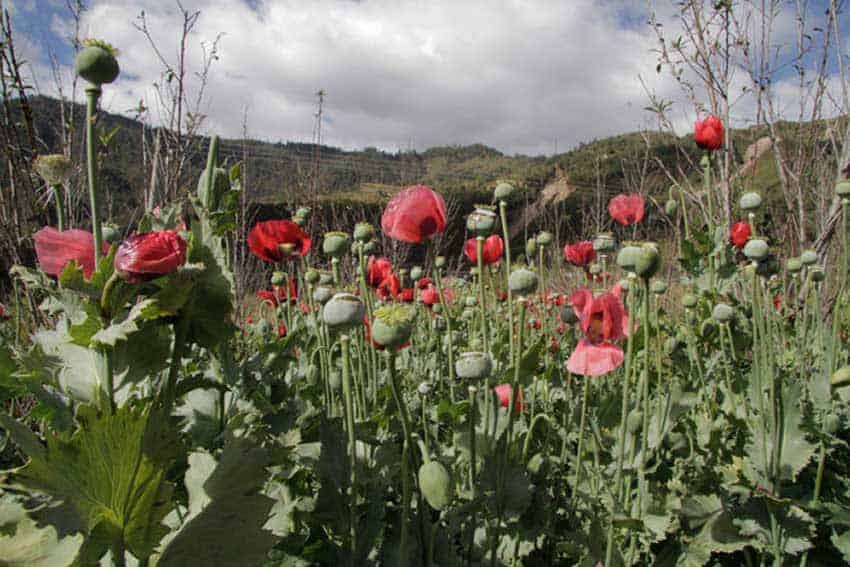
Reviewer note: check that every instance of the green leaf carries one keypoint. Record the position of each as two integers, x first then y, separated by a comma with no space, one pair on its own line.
122,330
227,512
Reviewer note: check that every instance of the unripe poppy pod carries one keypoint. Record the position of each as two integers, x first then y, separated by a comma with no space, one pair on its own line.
343,311
363,232
481,221
604,242
530,247
278,278
336,244
504,191
440,261
545,239
55,169
648,261
96,62
689,300
794,265
522,281
435,483
322,295
312,276
817,274
628,256
658,287
326,278
474,365
723,313
750,201
392,325
843,189
671,206
809,257
756,249
416,273
370,247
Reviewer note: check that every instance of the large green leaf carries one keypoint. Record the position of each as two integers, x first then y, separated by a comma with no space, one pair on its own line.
227,511
108,474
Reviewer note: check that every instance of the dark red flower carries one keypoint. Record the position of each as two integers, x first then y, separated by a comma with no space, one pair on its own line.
431,297
503,391
580,254
54,249
414,214
406,295
777,302
535,324
277,240
305,309
740,233
147,256
281,329
561,328
283,294
389,287
626,209
708,133
2,310
378,269
554,346
501,295
492,250
602,319
424,283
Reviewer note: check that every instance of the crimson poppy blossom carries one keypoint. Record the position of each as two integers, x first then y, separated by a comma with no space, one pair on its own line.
281,330
147,256
389,287
414,215
274,300
626,209
277,240
708,132
406,295
739,234
491,251
580,254
424,283
503,391
592,359
377,270
602,319
55,249
430,296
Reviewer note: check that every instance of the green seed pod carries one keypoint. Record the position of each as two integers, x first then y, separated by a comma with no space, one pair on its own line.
756,249
393,325
474,365
648,261
723,313
809,257
304,212
768,267
604,243
689,300
278,278
440,261
363,232
335,380
336,244
417,273
471,301
326,278
467,314
435,483
628,257
481,221
817,274
635,421
671,345
111,233
750,201
708,328
595,269
831,423
530,247
545,239
437,308
841,377
522,281
658,287
96,62
322,295
311,375
311,277
671,206
843,189
343,311
794,265
504,192
55,169
300,221
370,247
568,315
221,185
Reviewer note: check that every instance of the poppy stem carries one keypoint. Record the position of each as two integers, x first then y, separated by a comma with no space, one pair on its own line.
449,333
580,451
59,197
405,470
503,213
352,447
92,96
479,246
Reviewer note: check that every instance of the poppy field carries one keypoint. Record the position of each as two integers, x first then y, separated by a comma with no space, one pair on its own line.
652,407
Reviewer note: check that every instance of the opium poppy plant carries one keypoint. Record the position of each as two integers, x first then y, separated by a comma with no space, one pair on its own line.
580,254
602,319
414,215
492,250
147,256
708,132
739,234
626,209
277,240
55,249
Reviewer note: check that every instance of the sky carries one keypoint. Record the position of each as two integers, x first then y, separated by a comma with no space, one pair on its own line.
529,77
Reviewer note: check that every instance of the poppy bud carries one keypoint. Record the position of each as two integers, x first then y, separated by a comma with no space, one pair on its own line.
658,287
604,242
481,221
278,278
522,281
756,249
723,313
363,232
817,274
843,189
809,257
322,295
648,261
147,256
530,247
110,233
424,388
634,421
343,311
335,244
831,423
416,273
392,325
568,315
55,169
750,201
370,247
311,277
96,62
545,239
628,256
504,191
474,365
435,483
440,261
793,265
671,206
689,300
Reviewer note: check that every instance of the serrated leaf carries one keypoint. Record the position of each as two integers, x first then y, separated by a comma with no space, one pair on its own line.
122,330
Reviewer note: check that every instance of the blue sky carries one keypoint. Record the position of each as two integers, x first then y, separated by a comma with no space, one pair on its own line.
523,76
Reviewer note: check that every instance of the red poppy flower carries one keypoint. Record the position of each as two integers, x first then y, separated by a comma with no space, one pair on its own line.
626,209
305,309
708,133
281,329
561,328
424,283
602,318
502,295
740,233
492,250
777,302
406,295
504,393
580,254
535,324
54,249
144,257
277,240
554,346
389,287
431,297
414,214
377,270
269,296
592,359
